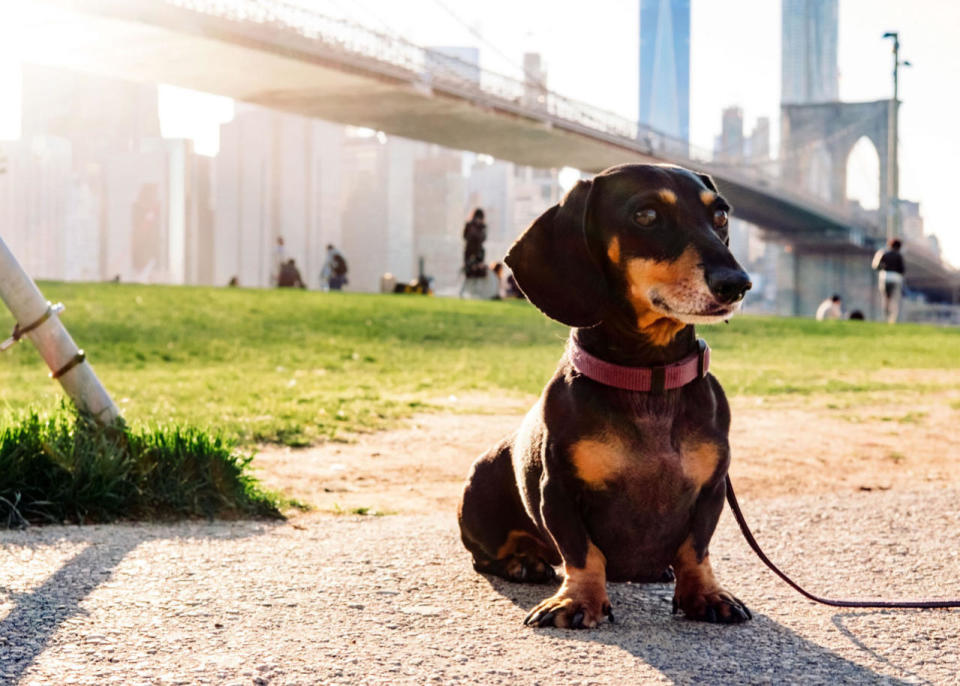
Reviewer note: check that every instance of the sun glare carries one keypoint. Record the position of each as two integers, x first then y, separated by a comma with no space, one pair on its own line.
193,115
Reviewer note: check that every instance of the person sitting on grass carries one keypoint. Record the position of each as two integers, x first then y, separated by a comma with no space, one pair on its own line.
831,308
289,276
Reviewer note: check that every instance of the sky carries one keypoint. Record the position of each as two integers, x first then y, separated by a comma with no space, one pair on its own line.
735,61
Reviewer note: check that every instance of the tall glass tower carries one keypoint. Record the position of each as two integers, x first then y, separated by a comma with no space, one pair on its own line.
809,52
665,66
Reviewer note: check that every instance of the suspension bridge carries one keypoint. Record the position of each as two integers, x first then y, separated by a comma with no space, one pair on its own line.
285,56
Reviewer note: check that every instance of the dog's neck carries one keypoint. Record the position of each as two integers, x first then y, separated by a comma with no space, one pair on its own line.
625,345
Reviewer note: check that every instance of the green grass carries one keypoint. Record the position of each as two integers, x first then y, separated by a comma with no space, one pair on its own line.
297,367
65,468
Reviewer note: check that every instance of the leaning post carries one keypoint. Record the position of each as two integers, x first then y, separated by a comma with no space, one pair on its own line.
39,322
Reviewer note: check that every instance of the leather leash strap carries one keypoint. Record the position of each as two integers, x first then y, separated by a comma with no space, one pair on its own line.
917,604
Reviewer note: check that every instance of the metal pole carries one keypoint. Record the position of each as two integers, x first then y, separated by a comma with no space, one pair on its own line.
893,161
51,339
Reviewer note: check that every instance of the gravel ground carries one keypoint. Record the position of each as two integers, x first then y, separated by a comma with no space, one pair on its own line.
393,600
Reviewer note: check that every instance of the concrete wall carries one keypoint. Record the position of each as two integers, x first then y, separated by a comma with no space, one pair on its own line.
805,279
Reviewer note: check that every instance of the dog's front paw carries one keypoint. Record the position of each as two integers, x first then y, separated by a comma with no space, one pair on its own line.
572,609
716,606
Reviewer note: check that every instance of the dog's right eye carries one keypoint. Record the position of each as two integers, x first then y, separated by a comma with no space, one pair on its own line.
645,217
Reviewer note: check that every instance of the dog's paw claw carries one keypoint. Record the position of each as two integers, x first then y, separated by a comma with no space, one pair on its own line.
608,611
568,612
716,607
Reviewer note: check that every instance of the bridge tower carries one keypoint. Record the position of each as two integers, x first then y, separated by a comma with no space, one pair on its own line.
816,141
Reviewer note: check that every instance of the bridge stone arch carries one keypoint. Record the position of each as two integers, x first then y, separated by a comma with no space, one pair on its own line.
864,148
814,136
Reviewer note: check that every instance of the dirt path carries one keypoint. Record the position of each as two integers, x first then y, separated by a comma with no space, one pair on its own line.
328,599
781,447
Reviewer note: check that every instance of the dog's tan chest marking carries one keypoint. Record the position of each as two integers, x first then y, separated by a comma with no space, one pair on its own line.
600,462
699,461
597,462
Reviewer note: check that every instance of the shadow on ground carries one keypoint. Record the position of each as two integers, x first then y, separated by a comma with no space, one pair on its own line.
687,652
37,615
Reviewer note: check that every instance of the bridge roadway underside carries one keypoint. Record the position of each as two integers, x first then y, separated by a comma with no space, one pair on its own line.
279,68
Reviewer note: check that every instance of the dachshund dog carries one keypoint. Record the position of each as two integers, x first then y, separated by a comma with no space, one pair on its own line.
617,472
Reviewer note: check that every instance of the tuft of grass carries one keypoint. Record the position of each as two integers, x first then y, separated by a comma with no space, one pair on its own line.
362,511
66,468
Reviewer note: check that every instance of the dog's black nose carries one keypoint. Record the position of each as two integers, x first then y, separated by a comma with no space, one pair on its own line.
728,285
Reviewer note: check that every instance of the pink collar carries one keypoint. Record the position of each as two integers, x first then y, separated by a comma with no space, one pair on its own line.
657,379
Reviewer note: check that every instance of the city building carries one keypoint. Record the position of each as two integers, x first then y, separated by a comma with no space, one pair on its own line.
92,191
439,209
731,141
912,220
378,209
665,67
809,72
757,149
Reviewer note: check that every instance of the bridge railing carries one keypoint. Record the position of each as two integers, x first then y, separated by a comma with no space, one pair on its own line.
433,68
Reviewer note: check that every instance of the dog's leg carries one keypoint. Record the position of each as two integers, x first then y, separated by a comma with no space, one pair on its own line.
582,601
495,528
697,592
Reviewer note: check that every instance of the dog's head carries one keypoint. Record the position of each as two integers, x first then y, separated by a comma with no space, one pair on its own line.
645,242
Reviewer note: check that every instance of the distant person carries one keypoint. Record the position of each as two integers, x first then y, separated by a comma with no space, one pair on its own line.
279,260
334,271
474,235
289,276
477,281
857,315
890,267
831,308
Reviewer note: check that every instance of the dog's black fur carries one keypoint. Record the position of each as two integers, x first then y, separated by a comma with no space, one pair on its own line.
616,484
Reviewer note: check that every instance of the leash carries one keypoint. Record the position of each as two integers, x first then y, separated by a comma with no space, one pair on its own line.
752,542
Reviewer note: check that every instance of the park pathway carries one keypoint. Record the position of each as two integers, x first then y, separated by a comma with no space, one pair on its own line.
393,600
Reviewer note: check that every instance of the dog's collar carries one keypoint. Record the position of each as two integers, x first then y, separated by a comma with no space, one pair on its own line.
646,379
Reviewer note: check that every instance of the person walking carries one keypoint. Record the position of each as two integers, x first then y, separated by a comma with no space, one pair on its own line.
890,267
474,267
831,308
334,272
474,235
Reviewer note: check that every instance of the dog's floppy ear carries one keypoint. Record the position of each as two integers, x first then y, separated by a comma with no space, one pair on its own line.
708,181
553,265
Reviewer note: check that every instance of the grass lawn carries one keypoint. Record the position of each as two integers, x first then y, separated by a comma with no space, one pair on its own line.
297,367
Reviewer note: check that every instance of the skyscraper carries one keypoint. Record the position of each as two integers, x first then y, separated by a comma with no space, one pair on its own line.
665,66
809,51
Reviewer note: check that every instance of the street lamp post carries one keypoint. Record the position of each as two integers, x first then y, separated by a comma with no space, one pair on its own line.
893,158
